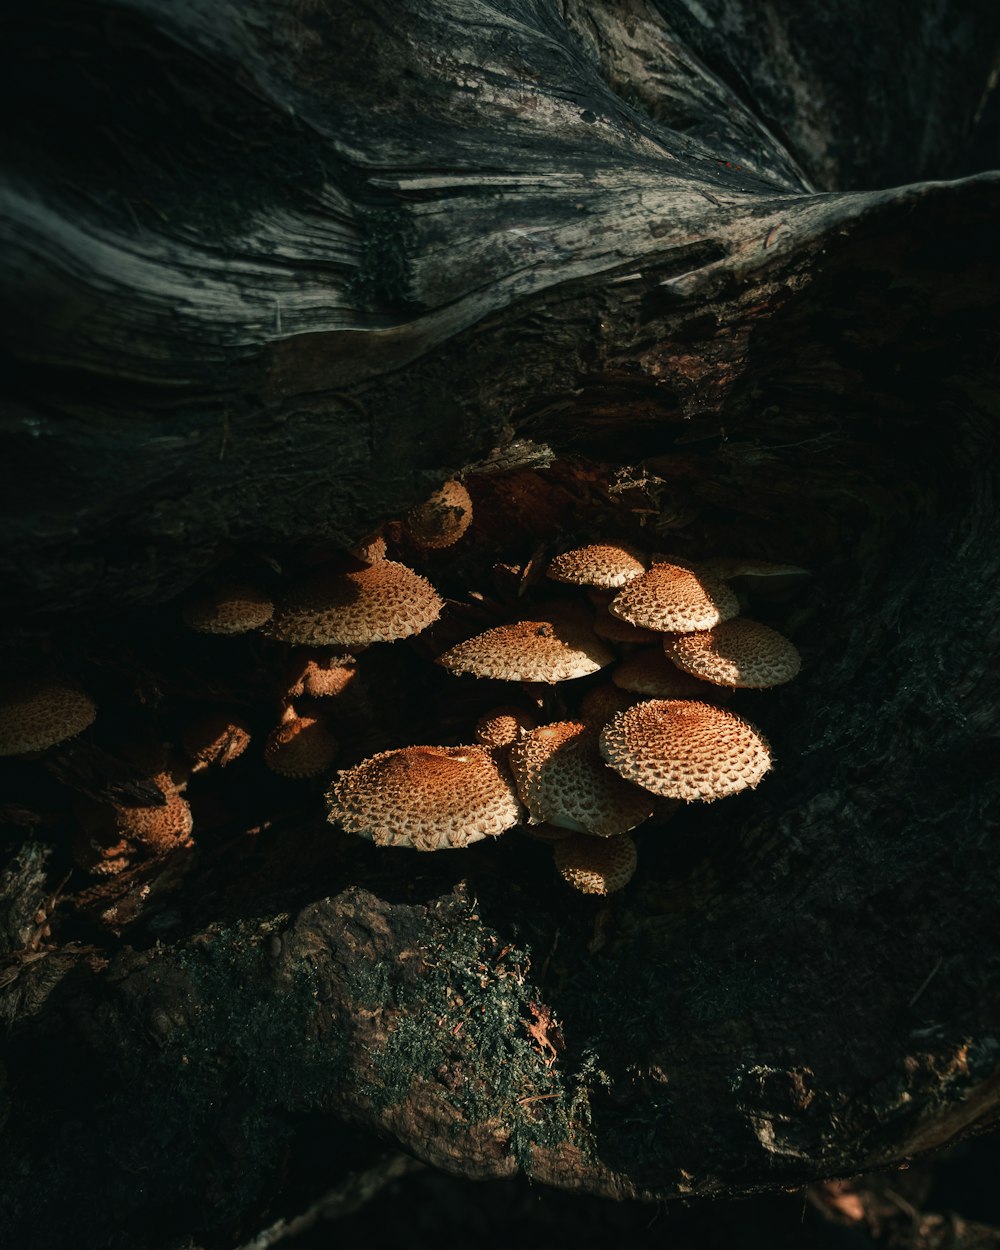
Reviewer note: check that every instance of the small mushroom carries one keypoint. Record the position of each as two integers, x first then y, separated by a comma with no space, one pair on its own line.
596,865
320,675
35,715
427,797
502,726
554,646
606,565
649,672
441,520
228,608
685,749
670,598
739,652
301,746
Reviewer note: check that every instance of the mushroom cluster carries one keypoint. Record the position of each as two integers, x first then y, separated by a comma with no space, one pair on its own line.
591,693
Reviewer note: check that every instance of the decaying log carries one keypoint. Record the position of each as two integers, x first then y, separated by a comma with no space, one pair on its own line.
279,270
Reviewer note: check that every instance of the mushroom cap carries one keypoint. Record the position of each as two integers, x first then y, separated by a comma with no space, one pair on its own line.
607,565
563,781
651,673
218,738
320,676
38,714
228,608
301,746
672,599
442,519
685,749
371,549
596,865
427,797
157,829
556,646
378,603
502,726
736,653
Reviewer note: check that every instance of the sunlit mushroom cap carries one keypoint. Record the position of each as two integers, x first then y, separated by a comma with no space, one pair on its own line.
38,714
563,781
607,565
649,672
301,746
427,797
228,608
442,519
596,865
673,599
685,749
352,609
555,647
502,726
736,653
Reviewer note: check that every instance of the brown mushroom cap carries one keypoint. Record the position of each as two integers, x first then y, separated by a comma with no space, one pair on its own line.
378,603
157,829
502,726
320,676
301,746
563,781
685,749
371,549
38,714
428,797
736,653
442,519
555,647
602,702
614,629
229,608
672,599
607,565
216,739
651,673
596,865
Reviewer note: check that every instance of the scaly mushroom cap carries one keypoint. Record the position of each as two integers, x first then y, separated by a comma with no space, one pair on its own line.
651,673
596,865
562,781
38,714
736,653
229,608
502,726
371,549
320,676
673,599
685,749
157,829
442,519
606,565
428,797
380,603
559,648
217,739
301,746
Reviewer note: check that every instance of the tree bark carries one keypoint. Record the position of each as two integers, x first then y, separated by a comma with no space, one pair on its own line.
270,275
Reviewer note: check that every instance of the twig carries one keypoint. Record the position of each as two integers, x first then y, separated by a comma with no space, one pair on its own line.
342,1200
927,980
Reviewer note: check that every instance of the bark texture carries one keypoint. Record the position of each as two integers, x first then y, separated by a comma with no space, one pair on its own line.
271,273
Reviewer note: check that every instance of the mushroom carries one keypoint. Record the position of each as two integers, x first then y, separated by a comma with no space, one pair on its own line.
602,702
596,865
670,598
354,608
427,797
685,749
320,675
371,549
228,608
35,715
553,646
614,629
649,672
442,519
739,652
301,746
605,565
562,781
502,726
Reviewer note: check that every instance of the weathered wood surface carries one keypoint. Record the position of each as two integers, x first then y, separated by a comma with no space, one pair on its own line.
283,267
